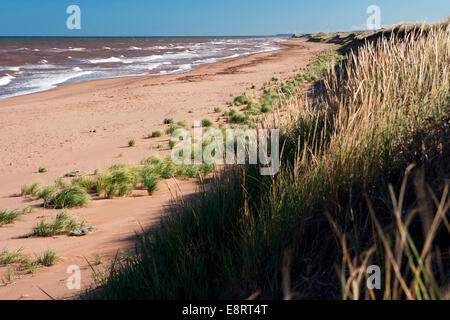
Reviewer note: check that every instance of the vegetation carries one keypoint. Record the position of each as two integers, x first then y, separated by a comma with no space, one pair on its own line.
42,170
31,190
345,196
156,134
168,121
131,143
241,100
69,197
10,257
206,123
62,224
8,216
47,258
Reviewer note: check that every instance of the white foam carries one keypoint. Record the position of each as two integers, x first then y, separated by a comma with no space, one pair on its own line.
134,48
6,80
107,60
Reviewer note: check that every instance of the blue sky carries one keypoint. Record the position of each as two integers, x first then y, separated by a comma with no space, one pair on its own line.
206,17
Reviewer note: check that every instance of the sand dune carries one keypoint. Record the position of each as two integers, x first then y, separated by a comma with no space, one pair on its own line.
55,129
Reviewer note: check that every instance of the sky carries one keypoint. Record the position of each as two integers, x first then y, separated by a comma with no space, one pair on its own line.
207,17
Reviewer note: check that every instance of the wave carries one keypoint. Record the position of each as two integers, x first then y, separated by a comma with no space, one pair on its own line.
105,60
6,80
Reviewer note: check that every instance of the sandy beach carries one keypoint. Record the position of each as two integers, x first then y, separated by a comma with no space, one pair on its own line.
86,126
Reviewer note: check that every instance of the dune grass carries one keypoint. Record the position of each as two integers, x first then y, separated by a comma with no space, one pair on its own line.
69,197
156,134
47,258
62,224
241,100
11,257
206,123
8,216
31,190
345,196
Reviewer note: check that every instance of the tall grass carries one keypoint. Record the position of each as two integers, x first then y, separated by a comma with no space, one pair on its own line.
8,216
345,152
70,197
62,224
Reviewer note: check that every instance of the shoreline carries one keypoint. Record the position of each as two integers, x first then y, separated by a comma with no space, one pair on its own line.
54,129
276,46
136,77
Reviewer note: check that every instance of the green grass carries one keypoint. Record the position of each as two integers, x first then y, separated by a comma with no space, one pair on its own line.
69,197
31,190
84,182
241,100
62,224
8,216
156,134
47,258
11,257
150,180
345,197
238,118
172,128
206,123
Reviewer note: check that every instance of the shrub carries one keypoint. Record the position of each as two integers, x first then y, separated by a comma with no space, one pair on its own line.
131,143
168,121
206,123
156,134
70,197
217,110
238,118
42,170
241,100
265,108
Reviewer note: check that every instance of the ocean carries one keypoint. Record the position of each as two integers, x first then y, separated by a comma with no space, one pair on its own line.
29,65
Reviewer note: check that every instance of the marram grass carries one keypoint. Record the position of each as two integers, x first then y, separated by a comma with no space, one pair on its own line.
342,198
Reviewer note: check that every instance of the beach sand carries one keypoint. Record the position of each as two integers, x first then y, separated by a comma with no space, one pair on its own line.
54,129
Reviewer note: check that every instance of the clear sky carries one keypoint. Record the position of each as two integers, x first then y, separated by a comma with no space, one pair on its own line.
207,17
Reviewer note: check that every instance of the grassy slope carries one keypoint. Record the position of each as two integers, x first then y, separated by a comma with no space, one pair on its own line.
341,200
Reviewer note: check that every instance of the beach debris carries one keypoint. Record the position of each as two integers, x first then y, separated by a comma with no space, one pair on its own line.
82,232
74,173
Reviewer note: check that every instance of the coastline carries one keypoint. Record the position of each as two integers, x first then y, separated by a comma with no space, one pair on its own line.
54,129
